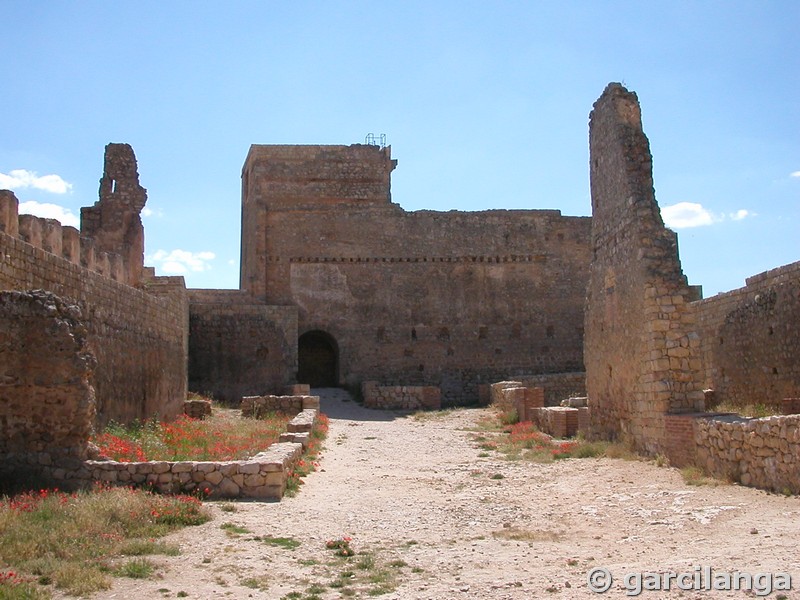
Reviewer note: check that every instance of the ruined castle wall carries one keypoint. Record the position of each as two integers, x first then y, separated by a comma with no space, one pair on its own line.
641,351
437,299
139,336
114,223
47,402
750,339
451,299
239,348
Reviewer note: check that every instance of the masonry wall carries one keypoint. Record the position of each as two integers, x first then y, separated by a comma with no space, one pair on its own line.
641,349
139,336
47,401
762,453
452,299
751,339
238,348
401,397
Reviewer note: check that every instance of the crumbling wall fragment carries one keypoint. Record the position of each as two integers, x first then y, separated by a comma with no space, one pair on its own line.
114,222
641,351
47,401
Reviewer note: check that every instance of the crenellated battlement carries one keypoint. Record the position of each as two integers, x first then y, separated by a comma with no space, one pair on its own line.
60,240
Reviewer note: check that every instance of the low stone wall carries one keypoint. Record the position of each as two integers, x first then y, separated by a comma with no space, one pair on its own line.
762,453
263,476
401,397
559,421
253,406
500,399
523,399
556,387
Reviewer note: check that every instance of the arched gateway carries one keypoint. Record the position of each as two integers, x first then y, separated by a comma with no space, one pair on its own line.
318,359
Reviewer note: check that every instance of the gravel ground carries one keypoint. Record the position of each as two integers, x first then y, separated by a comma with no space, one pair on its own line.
430,519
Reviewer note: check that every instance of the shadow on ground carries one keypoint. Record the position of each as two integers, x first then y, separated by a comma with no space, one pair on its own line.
339,404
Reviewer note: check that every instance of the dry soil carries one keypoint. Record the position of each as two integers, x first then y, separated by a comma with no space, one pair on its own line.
432,518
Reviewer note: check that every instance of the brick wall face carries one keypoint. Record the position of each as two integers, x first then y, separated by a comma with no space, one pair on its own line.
453,299
751,339
238,348
641,352
137,336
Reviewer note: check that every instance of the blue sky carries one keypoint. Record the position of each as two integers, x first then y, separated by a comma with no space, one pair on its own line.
485,105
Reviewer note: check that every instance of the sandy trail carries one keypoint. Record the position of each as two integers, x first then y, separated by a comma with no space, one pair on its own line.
446,523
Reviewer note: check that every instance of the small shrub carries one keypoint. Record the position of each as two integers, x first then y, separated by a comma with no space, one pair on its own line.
509,417
145,547
341,546
366,562
695,476
138,568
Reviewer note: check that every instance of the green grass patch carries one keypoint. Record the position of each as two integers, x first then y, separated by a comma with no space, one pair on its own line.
69,539
256,583
281,542
234,530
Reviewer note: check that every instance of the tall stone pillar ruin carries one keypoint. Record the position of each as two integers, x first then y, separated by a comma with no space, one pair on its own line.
114,222
641,350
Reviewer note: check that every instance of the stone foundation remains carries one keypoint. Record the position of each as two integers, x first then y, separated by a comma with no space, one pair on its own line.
263,476
401,397
254,406
197,409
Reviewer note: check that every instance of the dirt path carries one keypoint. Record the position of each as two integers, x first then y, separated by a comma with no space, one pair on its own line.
442,522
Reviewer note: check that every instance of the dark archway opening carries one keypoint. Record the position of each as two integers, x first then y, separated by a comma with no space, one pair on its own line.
318,359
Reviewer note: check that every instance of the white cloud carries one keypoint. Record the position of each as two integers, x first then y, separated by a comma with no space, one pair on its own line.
181,261
741,214
49,211
795,174
687,214
149,212
20,179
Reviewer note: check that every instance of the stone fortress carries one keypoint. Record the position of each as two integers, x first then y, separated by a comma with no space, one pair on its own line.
341,287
